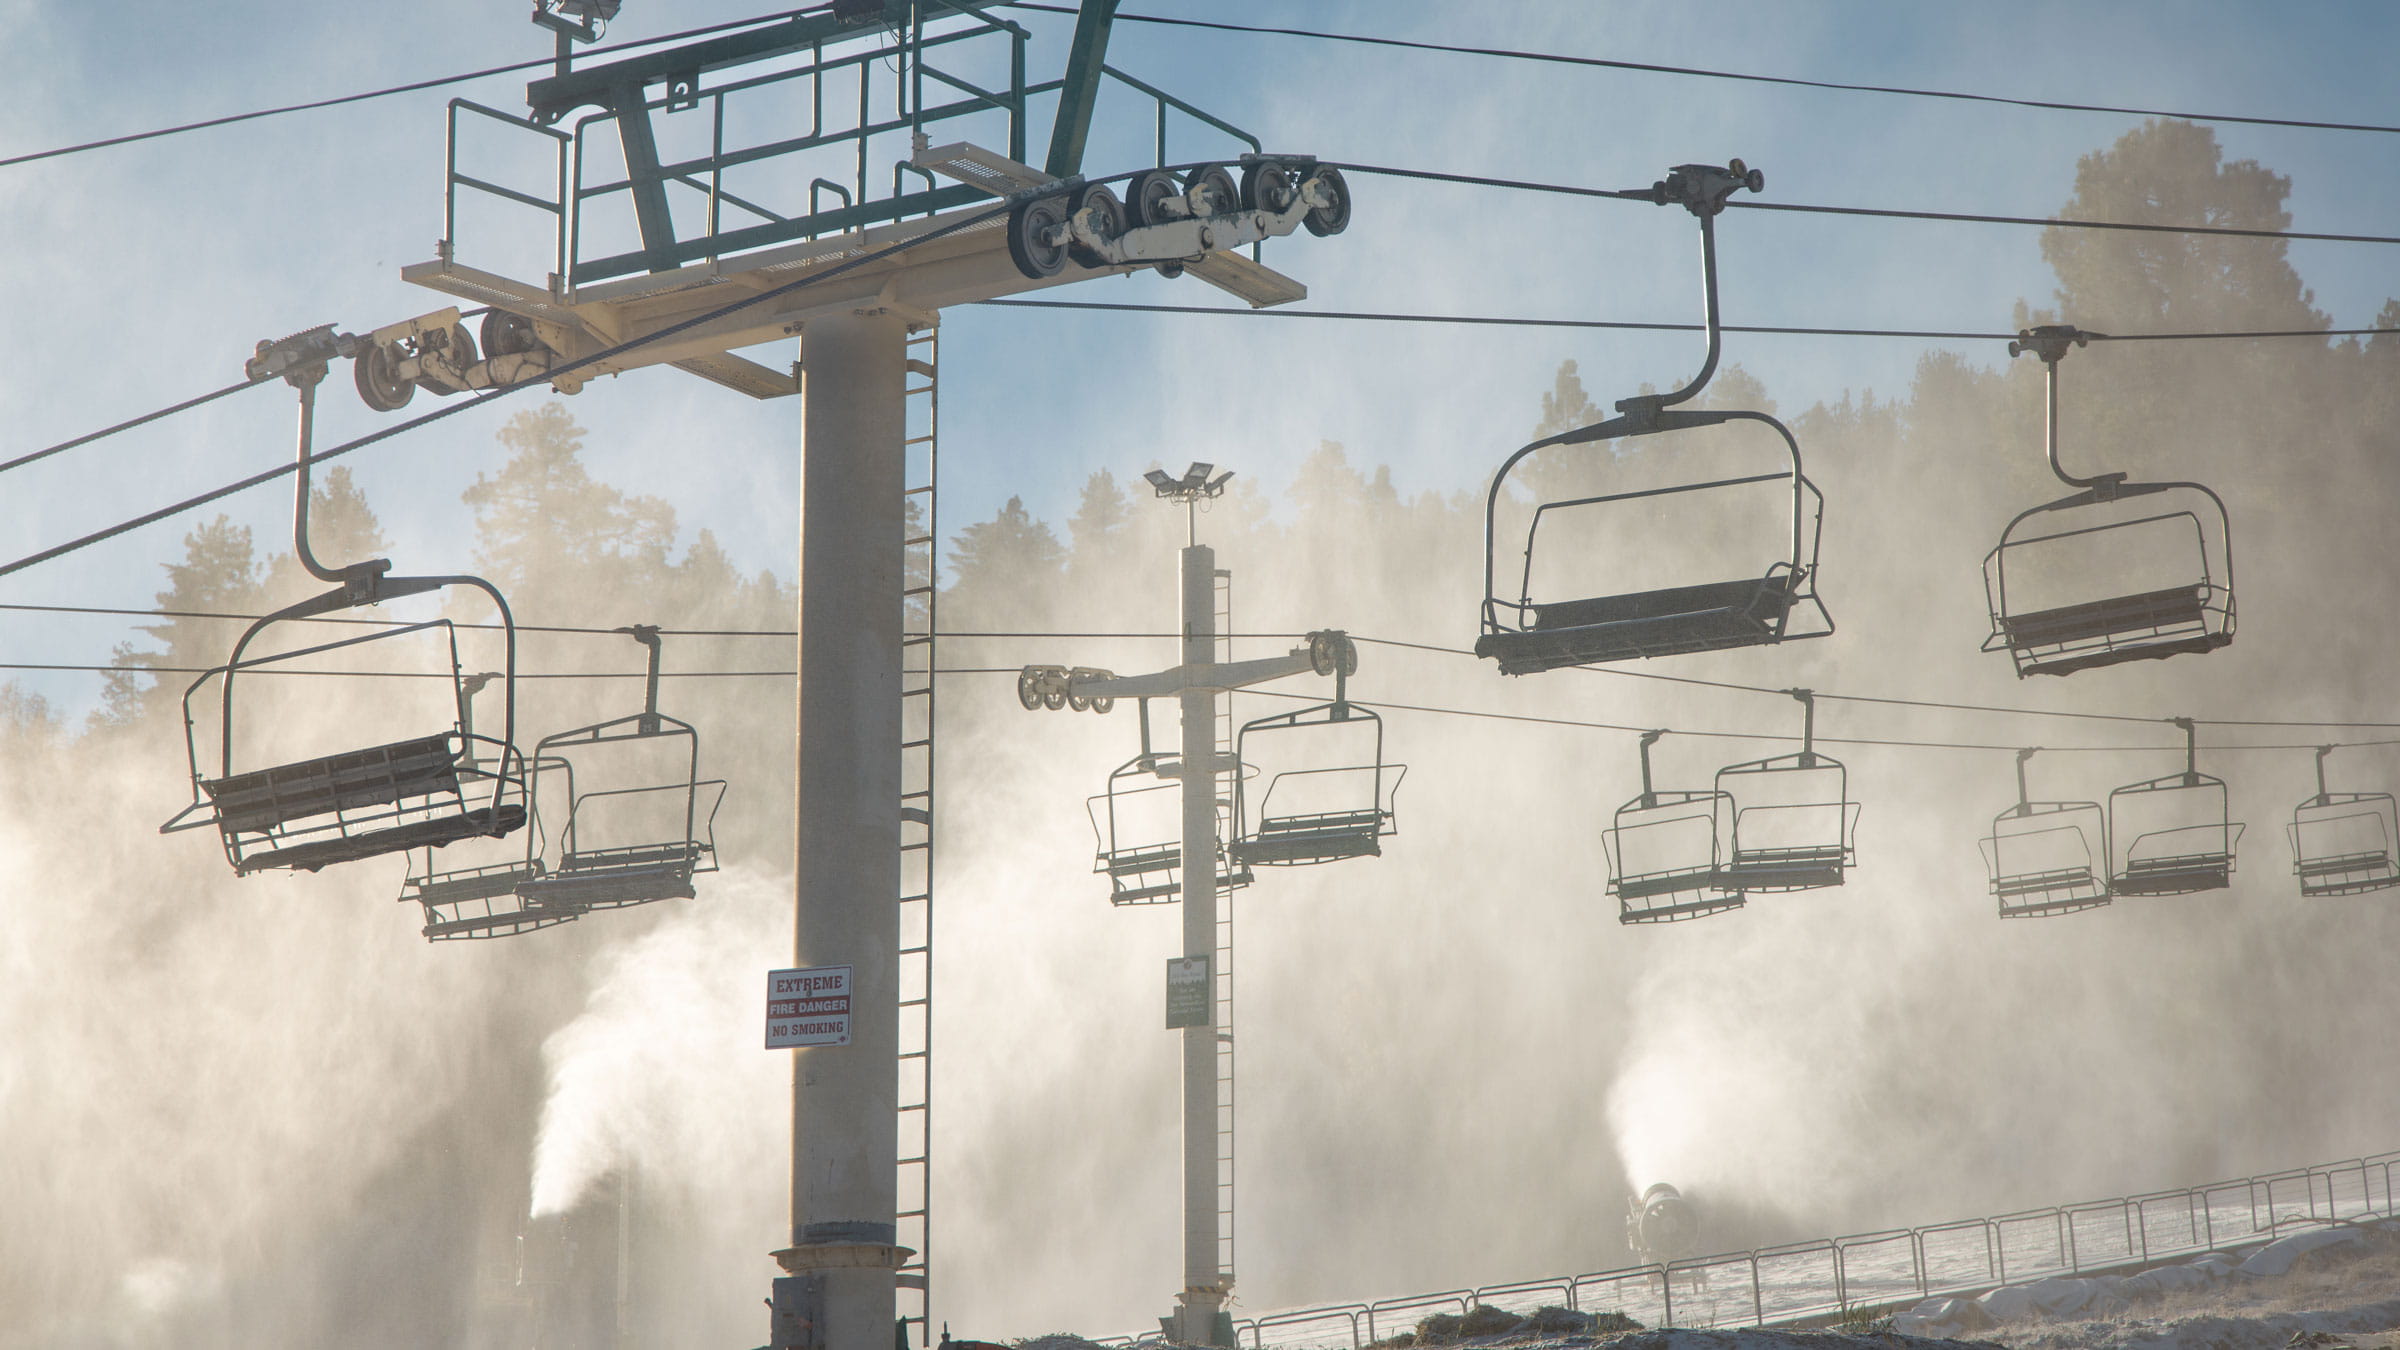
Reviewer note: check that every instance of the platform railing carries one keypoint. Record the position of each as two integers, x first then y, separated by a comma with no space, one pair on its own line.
1828,1278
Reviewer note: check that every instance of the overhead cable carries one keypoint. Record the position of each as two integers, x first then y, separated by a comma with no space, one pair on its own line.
129,424
503,391
1510,321
1651,68
1783,691
1887,213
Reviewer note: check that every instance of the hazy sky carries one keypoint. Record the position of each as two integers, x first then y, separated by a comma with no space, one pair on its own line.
142,274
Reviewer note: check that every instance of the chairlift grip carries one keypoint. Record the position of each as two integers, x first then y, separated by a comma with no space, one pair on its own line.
1808,725
2191,750
1649,794
2322,752
647,635
2024,798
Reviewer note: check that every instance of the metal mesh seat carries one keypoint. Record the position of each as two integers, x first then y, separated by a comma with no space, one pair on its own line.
1669,622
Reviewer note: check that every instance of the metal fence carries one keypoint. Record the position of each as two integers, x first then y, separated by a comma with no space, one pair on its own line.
1826,1278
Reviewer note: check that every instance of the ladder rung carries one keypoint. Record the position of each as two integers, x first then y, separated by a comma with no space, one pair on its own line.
910,1214
920,844
918,440
916,491
920,539
914,1002
918,898
916,745
924,368
915,1054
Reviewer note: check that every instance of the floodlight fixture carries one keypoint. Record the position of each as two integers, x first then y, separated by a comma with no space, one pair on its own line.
1195,485
582,20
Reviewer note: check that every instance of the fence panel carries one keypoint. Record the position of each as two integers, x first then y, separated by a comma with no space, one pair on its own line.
1814,1279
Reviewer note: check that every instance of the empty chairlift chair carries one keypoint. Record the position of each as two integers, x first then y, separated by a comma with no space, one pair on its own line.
1766,597
469,890
2172,835
2117,572
429,786
1138,825
2047,857
2342,842
1328,793
639,821
1793,823
1666,852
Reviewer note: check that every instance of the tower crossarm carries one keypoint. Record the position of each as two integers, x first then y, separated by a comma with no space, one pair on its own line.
1214,677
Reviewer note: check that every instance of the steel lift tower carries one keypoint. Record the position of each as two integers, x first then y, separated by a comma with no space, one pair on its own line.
1204,773
696,234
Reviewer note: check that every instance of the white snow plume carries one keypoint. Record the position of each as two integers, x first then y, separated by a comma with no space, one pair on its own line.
663,1072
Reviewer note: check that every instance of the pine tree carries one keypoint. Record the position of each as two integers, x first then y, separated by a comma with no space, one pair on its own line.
218,575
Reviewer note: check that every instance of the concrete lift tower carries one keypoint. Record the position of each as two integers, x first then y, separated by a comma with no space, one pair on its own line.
703,230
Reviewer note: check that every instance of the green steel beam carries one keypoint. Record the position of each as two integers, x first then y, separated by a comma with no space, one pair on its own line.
1080,89
553,97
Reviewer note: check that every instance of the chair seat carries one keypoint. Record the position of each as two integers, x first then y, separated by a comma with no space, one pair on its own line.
609,888
482,883
2174,876
1788,869
1698,907
1329,837
1669,622
382,775
433,833
2147,626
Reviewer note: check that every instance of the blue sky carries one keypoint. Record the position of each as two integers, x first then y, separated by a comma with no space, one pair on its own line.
142,274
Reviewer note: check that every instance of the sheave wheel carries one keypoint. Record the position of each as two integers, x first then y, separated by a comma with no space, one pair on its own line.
1028,692
1212,191
506,334
1108,221
383,390
1029,230
1266,186
1325,220
1147,195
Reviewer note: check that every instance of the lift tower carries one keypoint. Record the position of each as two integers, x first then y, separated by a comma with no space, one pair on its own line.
1195,683
891,229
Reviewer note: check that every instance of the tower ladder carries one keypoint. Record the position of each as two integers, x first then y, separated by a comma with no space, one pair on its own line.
920,535
1228,828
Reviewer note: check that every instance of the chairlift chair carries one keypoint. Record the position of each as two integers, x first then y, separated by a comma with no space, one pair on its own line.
1325,813
2151,563
2047,857
2172,835
469,890
603,862
1794,826
438,787
2342,842
1777,603
1143,860
1666,852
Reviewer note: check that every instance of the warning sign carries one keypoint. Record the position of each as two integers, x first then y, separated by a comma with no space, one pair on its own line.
808,1007
1187,992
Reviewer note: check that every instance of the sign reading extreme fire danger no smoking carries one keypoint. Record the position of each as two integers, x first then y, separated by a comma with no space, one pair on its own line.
808,1007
